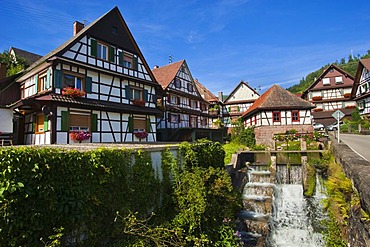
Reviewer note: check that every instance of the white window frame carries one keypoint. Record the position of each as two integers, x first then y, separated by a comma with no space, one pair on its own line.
102,51
326,81
338,80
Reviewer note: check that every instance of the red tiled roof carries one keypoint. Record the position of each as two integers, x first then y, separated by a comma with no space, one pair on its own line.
208,96
277,98
165,74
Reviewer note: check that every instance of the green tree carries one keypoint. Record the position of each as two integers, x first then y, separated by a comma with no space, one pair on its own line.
13,64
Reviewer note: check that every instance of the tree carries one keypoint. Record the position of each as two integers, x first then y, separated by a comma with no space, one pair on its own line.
13,64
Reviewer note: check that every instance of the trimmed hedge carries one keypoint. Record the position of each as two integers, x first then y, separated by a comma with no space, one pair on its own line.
46,192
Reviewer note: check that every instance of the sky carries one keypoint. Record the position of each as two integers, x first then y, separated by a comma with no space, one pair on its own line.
262,42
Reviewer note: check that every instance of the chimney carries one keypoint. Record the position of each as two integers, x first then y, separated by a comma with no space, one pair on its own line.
2,70
156,67
77,27
220,96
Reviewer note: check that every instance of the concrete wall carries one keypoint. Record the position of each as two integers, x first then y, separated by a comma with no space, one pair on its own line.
358,170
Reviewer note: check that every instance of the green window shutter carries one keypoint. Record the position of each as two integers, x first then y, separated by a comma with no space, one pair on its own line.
127,91
146,98
94,48
88,84
112,57
135,63
94,122
130,124
120,58
36,79
47,85
148,124
238,108
229,109
58,78
65,121
46,123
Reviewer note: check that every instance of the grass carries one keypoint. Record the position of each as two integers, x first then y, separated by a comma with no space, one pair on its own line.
231,148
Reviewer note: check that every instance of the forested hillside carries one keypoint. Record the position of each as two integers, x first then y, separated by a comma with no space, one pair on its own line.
349,65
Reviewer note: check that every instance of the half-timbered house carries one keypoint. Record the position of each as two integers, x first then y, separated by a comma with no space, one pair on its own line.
331,91
278,111
185,116
361,88
97,84
239,101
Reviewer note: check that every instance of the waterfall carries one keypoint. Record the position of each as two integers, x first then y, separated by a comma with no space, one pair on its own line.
296,219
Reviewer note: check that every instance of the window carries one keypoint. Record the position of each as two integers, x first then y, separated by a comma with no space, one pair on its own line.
41,83
73,81
79,121
276,116
177,83
190,87
114,30
338,80
102,51
193,122
326,81
174,99
295,116
139,124
203,121
234,108
40,124
174,118
127,61
136,93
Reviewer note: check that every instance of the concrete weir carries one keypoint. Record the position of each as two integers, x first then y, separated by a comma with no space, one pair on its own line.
255,173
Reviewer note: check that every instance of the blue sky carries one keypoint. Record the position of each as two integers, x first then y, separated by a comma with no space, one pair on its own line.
263,42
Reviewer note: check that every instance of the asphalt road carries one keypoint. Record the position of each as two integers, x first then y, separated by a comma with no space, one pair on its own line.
359,143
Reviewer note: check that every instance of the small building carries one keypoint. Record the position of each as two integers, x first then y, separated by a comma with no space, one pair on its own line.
185,116
239,101
96,87
331,91
278,111
361,88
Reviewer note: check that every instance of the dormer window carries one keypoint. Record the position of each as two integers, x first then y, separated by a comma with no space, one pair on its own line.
338,80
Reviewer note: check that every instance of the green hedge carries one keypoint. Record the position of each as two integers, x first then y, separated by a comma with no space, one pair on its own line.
53,197
49,191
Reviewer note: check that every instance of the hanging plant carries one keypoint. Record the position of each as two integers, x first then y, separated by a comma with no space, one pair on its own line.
73,92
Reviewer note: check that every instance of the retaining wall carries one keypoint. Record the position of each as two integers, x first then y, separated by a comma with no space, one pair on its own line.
358,170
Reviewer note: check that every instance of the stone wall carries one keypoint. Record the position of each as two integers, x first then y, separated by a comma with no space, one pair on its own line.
264,134
358,170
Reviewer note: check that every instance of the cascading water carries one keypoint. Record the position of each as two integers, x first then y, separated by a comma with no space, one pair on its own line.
296,219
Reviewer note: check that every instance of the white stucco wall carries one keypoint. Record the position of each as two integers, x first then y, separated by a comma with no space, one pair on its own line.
6,123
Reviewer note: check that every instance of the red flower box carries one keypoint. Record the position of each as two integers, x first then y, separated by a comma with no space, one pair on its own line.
73,92
347,95
141,134
138,102
315,98
317,109
350,106
79,136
